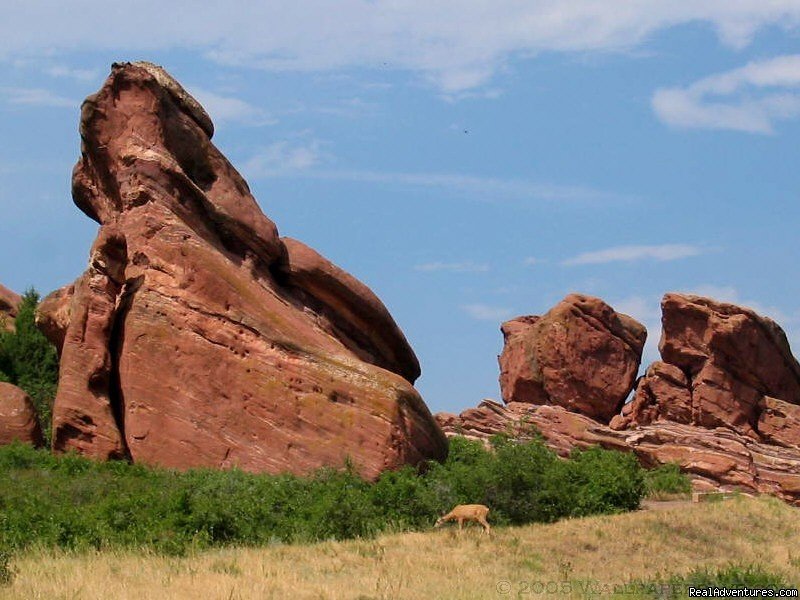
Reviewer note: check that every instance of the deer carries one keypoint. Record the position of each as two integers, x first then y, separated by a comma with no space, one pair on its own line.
467,512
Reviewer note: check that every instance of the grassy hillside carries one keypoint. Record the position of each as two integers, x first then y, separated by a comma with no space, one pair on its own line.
583,554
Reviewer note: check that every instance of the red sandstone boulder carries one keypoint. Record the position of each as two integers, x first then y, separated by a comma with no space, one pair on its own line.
198,337
581,355
748,347
18,421
9,303
52,315
726,357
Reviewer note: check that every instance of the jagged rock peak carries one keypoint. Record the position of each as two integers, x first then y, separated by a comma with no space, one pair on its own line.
184,99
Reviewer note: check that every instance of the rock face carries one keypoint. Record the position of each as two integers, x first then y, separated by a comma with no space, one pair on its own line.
724,402
199,337
52,315
721,362
581,355
9,303
18,417
779,422
663,393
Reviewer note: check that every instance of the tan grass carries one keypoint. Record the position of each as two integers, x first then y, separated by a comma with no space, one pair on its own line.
439,564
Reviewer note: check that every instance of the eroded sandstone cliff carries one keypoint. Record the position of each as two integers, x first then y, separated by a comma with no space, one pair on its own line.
199,337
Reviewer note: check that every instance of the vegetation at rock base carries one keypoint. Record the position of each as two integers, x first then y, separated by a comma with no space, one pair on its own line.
71,502
667,481
30,361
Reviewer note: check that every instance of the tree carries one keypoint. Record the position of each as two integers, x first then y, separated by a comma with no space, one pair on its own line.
30,361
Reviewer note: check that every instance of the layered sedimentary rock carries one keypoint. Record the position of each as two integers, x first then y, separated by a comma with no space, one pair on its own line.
18,421
779,422
581,355
199,337
715,458
9,303
723,402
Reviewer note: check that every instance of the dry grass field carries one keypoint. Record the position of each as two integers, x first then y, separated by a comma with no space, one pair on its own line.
580,555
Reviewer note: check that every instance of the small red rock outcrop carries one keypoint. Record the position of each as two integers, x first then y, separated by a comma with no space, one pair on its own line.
198,336
52,315
581,355
18,421
9,303
663,393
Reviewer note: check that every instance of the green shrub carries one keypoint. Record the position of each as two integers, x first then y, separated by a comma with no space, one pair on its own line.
667,480
71,502
30,361
604,481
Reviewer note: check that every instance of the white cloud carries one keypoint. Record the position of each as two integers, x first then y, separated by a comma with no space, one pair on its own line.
73,73
36,97
530,261
454,44
751,98
282,158
226,108
453,267
486,187
664,252
485,312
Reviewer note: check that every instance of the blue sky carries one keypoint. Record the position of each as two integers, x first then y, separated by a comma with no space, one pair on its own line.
470,161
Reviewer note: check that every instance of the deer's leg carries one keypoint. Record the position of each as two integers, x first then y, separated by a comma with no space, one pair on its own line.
486,527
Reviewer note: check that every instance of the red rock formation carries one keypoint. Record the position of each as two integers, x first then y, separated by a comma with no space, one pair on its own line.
9,303
52,315
198,337
723,403
714,458
349,309
581,355
663,393
18,417
726,357
779,422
